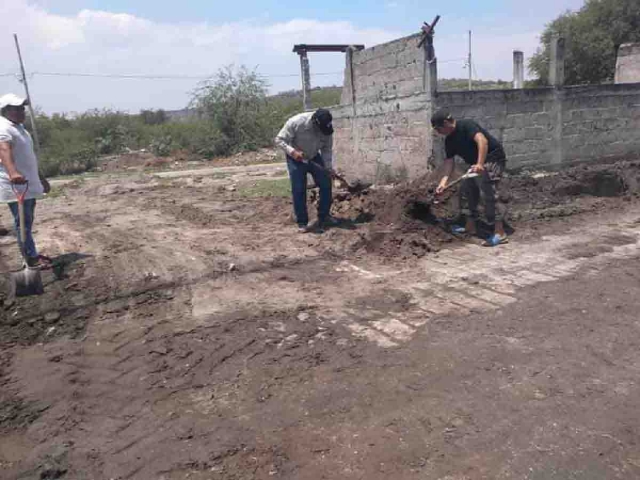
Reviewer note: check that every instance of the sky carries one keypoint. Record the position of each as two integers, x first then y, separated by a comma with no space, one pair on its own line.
193,39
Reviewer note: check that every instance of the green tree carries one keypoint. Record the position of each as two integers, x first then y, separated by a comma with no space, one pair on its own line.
593,35
235,102
153,117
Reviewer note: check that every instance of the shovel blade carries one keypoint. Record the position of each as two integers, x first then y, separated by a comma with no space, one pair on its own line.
27,281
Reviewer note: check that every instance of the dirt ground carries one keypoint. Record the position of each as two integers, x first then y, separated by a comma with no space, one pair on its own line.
143,160
188,332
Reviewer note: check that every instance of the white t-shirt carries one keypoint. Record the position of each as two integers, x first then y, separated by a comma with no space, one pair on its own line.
25,159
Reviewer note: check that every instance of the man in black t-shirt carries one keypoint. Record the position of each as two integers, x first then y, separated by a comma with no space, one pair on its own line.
485,155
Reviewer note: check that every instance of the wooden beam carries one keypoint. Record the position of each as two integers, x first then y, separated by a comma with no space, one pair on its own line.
324,48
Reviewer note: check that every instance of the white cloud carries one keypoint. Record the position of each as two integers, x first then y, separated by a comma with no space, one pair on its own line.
118,43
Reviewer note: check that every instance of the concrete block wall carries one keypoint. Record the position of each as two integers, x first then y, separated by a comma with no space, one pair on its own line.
392,69
628,63
523,120
389,142
601,122
382,131
550,126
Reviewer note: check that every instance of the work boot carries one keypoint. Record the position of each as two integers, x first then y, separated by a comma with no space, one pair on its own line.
331,221
316,227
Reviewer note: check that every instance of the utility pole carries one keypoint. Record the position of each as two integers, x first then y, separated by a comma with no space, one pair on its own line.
470,64
32,116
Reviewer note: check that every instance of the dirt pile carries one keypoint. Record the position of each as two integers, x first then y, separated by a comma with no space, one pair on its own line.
575,190
408,220
405,221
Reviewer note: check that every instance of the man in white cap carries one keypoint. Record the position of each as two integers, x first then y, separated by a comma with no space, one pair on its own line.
19,169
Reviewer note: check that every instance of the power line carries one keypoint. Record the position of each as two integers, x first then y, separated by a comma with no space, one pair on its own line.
126,76
132,76
152,77
452,60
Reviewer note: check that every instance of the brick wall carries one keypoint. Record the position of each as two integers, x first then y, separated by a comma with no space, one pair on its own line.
548,127
382,125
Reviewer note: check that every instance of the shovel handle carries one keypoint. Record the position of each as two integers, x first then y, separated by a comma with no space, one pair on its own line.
317,165
336,175
20,195
463,177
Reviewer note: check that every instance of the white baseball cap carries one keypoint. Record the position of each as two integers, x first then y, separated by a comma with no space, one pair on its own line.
12,100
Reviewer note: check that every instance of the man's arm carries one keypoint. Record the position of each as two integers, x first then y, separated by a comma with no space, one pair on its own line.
284,139
483,148
6,158
447,170
326,151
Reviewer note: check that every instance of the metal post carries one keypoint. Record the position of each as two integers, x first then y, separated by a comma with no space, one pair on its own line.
306,80
430,74
32,116
470,67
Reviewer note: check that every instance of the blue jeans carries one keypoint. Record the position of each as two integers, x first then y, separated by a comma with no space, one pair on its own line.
298,174
29,211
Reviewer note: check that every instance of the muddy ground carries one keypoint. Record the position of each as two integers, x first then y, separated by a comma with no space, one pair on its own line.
187,331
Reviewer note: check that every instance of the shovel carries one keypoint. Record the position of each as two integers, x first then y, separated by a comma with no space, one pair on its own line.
27,281
359,187
463,177
455,182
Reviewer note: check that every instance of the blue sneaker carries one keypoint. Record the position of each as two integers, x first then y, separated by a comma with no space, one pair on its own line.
495,240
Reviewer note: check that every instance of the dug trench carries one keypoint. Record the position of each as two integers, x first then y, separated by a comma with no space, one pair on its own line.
188,332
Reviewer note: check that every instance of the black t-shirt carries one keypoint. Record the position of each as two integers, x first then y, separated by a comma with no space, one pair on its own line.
461,143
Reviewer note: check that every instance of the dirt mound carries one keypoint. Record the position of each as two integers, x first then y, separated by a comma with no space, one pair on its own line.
597,184
568,192
409,220
405,221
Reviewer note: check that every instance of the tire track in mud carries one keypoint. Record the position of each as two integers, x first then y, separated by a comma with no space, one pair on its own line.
109,378
207,373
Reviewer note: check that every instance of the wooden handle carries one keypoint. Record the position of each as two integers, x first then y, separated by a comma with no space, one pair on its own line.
23,229
463,177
